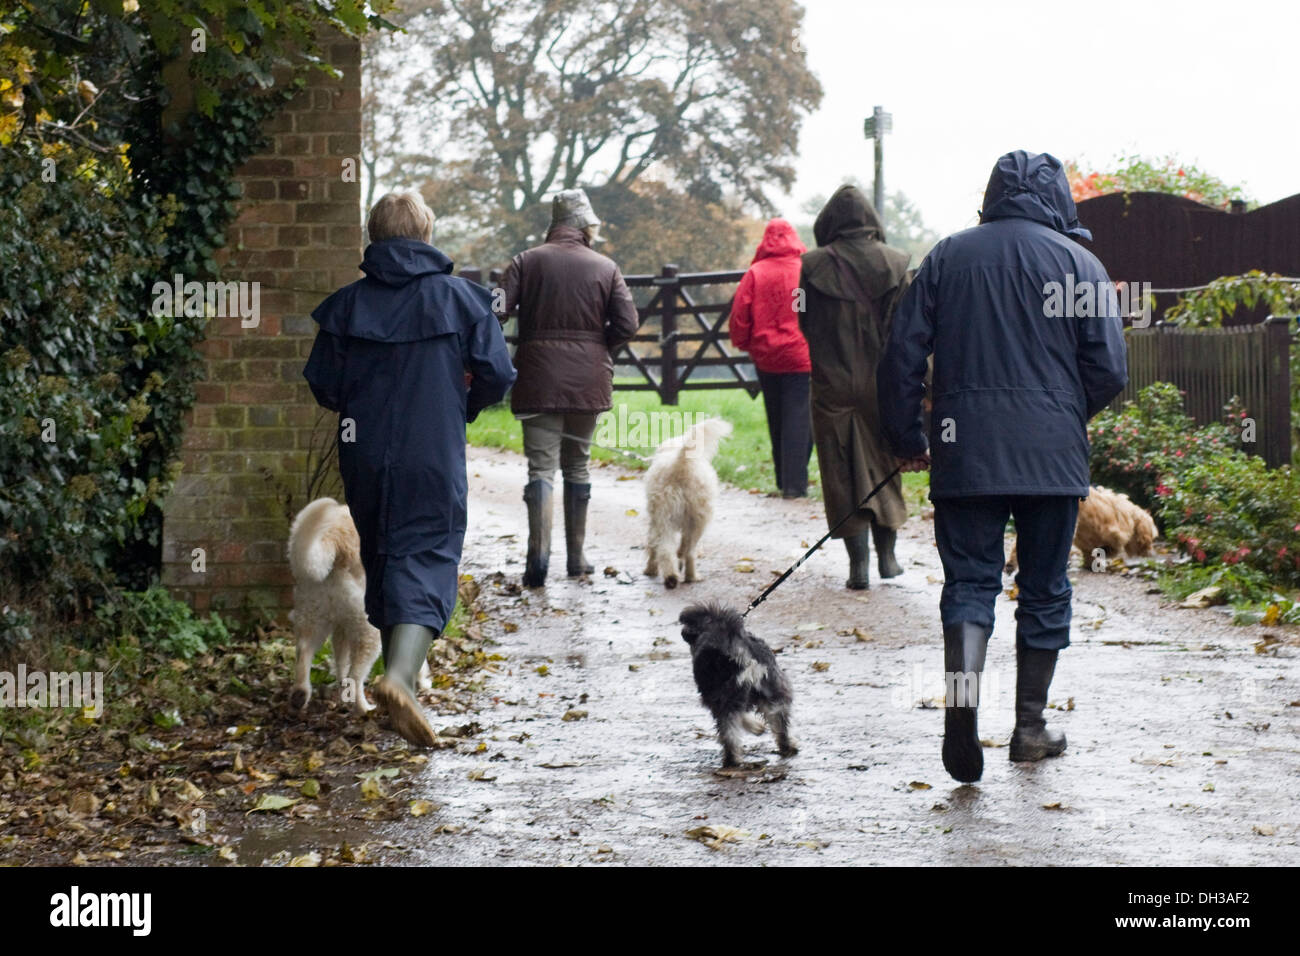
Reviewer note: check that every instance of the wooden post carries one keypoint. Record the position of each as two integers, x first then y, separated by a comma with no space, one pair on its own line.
1277,387
668,385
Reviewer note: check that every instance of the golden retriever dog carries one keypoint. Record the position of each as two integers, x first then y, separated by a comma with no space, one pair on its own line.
680,489
1110,522
329,594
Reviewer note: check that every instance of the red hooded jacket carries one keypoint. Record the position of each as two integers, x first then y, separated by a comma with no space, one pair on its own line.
763,321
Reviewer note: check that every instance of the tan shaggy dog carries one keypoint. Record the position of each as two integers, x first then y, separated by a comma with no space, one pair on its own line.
1109,521
680,489
329,595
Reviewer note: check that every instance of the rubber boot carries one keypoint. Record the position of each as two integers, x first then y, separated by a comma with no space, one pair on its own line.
537,495
859,548
885,538
406,647
576,498
1032,739
964,647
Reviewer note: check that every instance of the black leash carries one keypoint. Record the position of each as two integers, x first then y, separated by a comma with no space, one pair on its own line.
824,538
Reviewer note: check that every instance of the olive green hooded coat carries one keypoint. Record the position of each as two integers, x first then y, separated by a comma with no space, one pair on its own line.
851,284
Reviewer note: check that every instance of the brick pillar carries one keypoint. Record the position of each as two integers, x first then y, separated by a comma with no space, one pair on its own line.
255,431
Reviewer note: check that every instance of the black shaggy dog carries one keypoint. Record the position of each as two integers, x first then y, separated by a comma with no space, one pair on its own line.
737,674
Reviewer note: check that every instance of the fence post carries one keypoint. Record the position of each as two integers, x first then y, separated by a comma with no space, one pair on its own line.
1277,344
668,385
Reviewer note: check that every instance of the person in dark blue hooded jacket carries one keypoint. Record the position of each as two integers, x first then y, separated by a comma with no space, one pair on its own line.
1014,385
406,356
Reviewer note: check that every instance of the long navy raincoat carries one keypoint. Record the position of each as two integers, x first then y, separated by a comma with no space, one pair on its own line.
1013,386
391,358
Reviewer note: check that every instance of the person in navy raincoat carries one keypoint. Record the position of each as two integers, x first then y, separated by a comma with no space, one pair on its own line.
406,356
1015,382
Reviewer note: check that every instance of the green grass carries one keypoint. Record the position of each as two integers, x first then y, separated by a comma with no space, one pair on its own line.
744,460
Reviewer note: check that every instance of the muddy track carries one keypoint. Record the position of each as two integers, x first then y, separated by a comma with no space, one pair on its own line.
1182,738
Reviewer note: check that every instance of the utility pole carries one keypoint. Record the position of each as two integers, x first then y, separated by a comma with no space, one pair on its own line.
875,127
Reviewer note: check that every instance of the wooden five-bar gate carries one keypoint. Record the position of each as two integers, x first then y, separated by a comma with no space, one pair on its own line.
683,343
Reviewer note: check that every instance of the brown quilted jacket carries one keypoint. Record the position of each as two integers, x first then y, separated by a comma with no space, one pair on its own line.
574,310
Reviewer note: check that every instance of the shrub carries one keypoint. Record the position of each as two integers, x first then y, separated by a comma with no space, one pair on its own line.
1148,443
1234,510
157,620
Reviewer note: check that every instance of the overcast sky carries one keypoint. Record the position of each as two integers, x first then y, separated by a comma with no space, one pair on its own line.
1211,83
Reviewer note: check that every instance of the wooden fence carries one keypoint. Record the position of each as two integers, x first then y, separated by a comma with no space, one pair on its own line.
1212,366
683,344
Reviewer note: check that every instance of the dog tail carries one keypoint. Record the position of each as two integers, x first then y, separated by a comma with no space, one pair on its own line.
322,537
702,439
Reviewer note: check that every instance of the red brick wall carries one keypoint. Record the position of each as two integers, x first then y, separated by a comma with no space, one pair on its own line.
249,442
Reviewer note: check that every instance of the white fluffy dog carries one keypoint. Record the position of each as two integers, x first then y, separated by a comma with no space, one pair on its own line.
329,595
680,489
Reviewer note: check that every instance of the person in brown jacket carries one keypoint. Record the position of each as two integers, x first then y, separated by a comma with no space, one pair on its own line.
574,311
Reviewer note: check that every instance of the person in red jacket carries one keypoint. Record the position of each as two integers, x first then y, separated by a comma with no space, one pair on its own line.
765,323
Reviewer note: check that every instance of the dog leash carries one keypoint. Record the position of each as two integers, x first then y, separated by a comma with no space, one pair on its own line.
824,538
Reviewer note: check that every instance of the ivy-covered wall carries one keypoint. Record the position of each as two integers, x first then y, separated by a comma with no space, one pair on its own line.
251,452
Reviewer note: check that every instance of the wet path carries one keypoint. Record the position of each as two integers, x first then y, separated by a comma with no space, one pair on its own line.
1183,739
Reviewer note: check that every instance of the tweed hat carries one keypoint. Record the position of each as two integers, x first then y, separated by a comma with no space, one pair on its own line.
571,207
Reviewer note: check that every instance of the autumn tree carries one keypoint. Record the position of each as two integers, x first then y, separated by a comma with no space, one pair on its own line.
504,104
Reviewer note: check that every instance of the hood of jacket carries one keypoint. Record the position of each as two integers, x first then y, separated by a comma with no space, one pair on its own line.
395,262
847,214
779,239
1032,186
848,230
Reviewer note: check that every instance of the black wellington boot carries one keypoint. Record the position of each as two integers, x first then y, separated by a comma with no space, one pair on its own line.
576,498
537,495
859,548
406,647
964,646
885,538
1033,739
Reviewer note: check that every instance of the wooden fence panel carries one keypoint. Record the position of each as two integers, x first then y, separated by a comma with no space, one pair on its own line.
1212,366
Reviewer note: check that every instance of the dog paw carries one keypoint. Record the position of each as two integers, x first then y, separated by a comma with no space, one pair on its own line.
670,581
299,697
790,749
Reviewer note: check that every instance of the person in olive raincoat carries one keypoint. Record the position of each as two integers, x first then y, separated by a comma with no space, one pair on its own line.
392,357
1014,386
851,283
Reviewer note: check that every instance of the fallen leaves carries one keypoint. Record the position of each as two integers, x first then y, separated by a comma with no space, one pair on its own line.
574,714
1205,597
715,835
273,802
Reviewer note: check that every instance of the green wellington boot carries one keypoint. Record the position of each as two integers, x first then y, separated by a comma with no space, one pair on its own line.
576,498
406,647
537,495
859,548
885,539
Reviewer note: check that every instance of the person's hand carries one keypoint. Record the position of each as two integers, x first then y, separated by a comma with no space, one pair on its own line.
920,463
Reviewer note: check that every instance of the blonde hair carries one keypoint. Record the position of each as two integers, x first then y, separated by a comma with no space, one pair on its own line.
400,216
